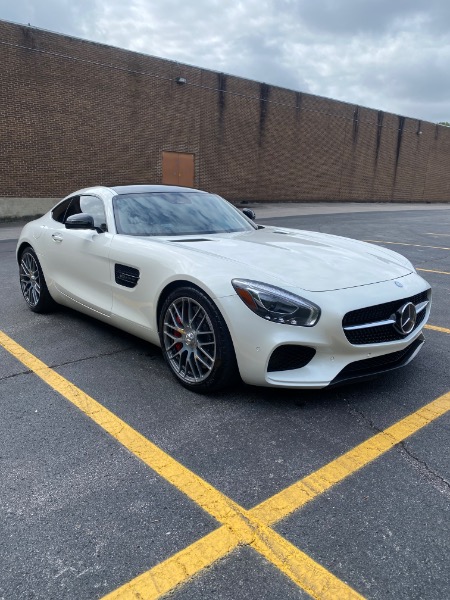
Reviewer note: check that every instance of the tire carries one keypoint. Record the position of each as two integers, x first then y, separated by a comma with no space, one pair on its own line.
32,283
195,341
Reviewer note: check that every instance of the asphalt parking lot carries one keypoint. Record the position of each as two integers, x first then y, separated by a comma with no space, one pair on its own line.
115,481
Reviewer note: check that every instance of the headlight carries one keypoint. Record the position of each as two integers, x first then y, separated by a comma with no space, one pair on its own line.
275,304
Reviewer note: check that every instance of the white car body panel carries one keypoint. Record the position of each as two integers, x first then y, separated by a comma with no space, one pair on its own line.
88,279
337,274
307,260
333,351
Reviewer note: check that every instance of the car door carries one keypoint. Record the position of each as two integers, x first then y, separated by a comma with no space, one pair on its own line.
78,259
137,271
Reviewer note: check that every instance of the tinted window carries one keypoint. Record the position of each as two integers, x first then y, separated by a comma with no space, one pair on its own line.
59,212
90,205
93,206
176,213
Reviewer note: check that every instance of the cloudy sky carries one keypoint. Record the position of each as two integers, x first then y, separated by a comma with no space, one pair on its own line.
392,55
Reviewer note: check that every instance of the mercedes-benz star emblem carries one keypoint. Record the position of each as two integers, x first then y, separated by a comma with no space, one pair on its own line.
406,317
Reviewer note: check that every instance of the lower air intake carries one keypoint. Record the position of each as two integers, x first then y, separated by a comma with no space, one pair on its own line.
288,357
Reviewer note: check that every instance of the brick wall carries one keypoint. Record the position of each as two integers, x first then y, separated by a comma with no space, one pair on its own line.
76,113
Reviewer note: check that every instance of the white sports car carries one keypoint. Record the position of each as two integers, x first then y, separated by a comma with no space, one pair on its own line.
222,296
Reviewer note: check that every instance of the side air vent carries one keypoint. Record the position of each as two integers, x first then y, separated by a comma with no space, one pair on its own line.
126,276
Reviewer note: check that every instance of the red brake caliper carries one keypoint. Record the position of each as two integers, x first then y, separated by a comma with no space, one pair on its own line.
178,345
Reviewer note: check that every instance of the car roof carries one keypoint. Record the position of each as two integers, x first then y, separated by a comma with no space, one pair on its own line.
136,189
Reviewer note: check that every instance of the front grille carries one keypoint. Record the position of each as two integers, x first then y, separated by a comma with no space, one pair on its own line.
287,357
379,364
379,312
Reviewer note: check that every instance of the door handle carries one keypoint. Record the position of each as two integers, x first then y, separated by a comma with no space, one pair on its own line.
57,237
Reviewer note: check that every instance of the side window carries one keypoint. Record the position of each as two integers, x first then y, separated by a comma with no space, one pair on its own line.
93,206
74,207
59,212
90,205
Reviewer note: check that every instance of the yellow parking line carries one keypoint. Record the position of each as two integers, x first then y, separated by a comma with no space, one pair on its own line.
435,328
433,271
240,526
201,492
294,497
299,567
297,495
405,244
179,568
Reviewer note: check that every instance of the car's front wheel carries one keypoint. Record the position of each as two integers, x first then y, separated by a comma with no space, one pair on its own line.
195,341
32,283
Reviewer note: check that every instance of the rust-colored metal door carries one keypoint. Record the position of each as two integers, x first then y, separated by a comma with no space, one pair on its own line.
178,169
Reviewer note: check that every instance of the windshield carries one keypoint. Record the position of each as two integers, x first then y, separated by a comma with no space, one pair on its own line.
176,213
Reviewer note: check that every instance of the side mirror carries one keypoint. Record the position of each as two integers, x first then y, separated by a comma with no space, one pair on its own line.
248,212
80,221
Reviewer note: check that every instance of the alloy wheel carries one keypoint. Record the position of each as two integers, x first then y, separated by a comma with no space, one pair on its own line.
189,340
30,280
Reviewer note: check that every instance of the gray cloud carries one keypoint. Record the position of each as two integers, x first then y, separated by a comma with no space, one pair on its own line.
354,17
387,55
55,15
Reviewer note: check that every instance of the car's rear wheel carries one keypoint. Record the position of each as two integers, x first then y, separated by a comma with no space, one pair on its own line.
195,341
32,283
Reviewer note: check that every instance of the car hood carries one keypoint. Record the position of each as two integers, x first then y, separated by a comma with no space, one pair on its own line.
311,261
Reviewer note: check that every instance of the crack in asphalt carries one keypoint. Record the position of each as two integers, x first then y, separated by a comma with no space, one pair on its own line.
69,362
362,418
420,465
424,469
27,372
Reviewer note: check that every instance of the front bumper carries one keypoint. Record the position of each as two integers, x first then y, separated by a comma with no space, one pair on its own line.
370,367
255,339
